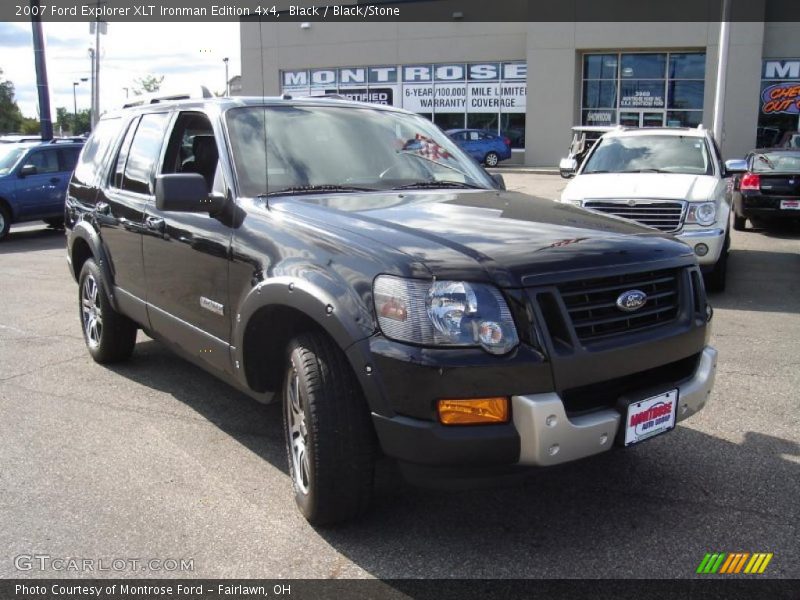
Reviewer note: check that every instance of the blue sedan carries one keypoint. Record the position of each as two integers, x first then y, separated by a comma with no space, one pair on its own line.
485,147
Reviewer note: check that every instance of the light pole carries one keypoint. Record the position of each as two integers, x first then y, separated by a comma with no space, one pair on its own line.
92,115
227,85
74,102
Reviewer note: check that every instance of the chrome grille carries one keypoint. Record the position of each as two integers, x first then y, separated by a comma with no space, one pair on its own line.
592,307
666,215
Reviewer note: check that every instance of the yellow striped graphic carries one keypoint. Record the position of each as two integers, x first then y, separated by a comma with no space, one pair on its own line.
764,564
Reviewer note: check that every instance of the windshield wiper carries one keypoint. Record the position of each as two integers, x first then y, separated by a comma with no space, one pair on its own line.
296,190
432,185
646,171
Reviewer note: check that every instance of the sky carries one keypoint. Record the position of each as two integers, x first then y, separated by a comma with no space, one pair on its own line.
186,54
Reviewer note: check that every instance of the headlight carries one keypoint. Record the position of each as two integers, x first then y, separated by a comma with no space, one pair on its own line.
444,313
702,213
573,202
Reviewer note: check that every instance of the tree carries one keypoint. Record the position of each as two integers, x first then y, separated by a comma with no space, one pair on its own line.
30,126
76,125
147,84
10,115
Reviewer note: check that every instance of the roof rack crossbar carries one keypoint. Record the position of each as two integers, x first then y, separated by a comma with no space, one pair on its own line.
161,97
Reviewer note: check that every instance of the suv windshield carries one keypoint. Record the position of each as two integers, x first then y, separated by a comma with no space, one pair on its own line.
329,148
9,155
776,162
650,154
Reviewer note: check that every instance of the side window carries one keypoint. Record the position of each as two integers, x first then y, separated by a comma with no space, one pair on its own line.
96,150
144,152
474,136
192,147
122,155
45,161
67,158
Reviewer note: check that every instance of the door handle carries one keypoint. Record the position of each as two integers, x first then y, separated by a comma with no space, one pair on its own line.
155,224
54,180
102,208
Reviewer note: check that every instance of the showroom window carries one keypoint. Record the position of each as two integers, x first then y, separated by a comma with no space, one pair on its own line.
643,89
779,107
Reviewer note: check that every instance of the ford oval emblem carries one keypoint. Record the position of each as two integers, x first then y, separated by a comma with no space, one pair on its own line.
631,300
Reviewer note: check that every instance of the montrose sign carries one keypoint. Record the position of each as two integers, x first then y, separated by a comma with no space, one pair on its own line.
425,88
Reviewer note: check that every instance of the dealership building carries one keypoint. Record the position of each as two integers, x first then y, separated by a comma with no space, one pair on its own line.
532,82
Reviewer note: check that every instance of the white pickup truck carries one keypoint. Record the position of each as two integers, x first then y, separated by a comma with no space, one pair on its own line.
672,179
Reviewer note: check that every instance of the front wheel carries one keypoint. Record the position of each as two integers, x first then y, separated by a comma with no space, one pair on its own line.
329,436
5,221
491,159
718,277
109,335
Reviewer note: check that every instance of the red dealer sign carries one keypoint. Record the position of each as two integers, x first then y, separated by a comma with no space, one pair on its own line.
781,97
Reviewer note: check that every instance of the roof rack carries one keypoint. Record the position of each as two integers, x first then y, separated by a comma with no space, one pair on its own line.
200,92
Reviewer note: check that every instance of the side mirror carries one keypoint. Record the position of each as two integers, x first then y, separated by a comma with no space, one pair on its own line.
735,166
567,167
186,192
498,179
28,170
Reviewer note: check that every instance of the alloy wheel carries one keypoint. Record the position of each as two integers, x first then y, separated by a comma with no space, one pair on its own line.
298,432
91,312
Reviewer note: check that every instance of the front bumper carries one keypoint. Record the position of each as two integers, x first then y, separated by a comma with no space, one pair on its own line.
540,434
714,238
548,437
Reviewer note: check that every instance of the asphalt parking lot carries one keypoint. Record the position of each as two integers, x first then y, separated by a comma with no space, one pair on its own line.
157,459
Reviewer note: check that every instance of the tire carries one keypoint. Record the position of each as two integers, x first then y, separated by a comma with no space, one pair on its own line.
739,223
5,221
718,277
329,437
491,159
109,336
56,223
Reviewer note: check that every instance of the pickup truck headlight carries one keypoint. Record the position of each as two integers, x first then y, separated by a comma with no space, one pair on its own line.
444,313
702,213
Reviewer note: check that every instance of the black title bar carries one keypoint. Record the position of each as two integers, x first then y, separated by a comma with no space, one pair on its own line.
399,10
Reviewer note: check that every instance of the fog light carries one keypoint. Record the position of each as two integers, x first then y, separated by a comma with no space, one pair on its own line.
701,249
473,411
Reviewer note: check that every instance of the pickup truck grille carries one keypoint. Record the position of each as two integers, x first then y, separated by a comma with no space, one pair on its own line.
666,215
592,303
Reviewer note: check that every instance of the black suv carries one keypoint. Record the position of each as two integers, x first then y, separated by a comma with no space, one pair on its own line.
350,262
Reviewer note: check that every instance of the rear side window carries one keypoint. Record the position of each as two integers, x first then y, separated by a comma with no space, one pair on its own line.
96,150
67,158
144,153
122,155
45,161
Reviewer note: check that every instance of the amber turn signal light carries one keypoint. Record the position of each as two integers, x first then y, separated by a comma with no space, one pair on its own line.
473,411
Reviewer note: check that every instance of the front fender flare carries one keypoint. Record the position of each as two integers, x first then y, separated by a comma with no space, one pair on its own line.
350,332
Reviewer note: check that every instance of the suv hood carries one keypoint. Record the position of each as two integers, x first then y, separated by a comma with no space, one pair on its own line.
667,186
507,234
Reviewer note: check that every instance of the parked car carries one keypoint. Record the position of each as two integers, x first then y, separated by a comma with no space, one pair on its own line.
790,139
33,181
584,137
671,179
766,186
484,146
363,271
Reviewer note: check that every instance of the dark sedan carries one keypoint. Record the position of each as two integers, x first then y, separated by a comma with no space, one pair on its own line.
767,186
